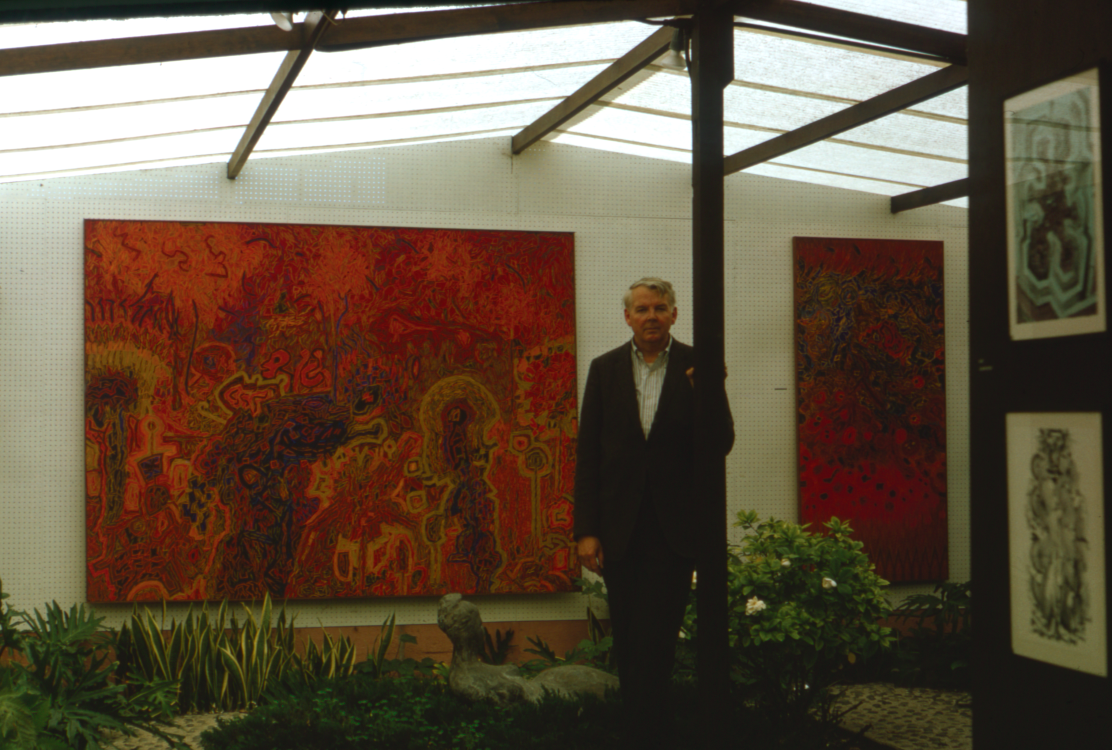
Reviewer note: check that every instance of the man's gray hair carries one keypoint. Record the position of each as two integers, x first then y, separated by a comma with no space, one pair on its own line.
656,284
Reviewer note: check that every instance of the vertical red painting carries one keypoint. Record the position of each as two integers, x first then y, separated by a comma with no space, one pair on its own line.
870,367
320,411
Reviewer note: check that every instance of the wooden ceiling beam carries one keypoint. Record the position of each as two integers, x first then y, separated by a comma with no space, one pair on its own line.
374,31
312,30
353,33
947,45
617,72
371,31
929,196
901,97
106,53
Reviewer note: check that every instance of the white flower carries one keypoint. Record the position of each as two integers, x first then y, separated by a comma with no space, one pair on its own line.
785,563
829,583
754,605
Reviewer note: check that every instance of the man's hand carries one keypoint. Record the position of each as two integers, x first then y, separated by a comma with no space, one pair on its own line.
590,553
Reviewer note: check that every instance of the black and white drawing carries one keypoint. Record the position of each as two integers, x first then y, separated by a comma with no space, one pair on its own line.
1055,511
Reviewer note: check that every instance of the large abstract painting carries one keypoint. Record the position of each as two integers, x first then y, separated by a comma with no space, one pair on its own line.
322,411
871,404
1055,209
1056,539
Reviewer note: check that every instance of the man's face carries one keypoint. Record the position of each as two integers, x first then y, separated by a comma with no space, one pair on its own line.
650,317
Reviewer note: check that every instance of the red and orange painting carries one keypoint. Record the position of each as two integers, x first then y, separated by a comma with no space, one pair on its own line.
870,368
323,411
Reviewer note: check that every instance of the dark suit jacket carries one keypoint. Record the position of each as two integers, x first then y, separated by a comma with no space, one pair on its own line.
617,468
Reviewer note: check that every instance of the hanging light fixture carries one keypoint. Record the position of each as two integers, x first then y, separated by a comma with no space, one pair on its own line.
674,58
283,19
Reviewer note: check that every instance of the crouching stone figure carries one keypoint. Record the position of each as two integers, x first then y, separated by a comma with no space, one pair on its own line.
475,680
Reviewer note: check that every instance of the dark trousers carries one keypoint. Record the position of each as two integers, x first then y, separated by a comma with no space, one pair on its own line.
648,591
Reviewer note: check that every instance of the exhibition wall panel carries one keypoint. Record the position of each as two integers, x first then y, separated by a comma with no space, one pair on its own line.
1039,374
630,216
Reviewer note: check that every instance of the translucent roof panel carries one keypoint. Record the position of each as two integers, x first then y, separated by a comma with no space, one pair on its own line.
486,52
73,89
954,104
124,122
948,15
916,134
636,127
136,151
377,98
855,153
623,147
366,130
830,179
480,86
802,66
775,111
66,32
875,164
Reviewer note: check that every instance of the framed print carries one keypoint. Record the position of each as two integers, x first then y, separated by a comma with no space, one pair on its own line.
1055,218
1056,539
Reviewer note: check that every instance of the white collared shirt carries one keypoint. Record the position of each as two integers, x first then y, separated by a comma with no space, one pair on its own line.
648,379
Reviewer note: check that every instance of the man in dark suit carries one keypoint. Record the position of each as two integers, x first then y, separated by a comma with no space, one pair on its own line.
635,516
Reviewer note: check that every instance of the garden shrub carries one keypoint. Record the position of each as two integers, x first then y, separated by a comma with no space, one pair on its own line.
406,713
802,607
60,689
939,648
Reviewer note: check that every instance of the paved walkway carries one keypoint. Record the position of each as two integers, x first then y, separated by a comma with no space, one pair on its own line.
901,718
911,718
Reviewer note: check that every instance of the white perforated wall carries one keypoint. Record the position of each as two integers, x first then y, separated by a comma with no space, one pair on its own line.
630,215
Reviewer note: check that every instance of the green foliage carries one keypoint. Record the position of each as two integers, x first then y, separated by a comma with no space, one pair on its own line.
377,665
802,606
221,665
60,690
589,652
409,713
940,646
18,724
360,713
594,651
496,650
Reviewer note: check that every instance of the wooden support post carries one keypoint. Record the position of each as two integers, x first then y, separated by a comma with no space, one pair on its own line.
712,68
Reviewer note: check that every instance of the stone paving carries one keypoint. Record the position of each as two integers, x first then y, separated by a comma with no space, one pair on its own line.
901,718
911,718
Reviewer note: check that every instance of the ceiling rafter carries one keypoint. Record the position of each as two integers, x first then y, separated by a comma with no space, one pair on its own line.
899,98
353,33
929,196
372,31
607,80
313,30
947,45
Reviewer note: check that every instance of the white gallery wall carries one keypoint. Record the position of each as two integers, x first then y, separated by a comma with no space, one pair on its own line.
630,216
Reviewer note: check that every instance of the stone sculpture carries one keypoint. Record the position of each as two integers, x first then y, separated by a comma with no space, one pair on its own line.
475,680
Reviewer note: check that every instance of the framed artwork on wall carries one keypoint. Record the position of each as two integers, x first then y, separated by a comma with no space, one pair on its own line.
871,410
322,412
1055,222
1056,539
